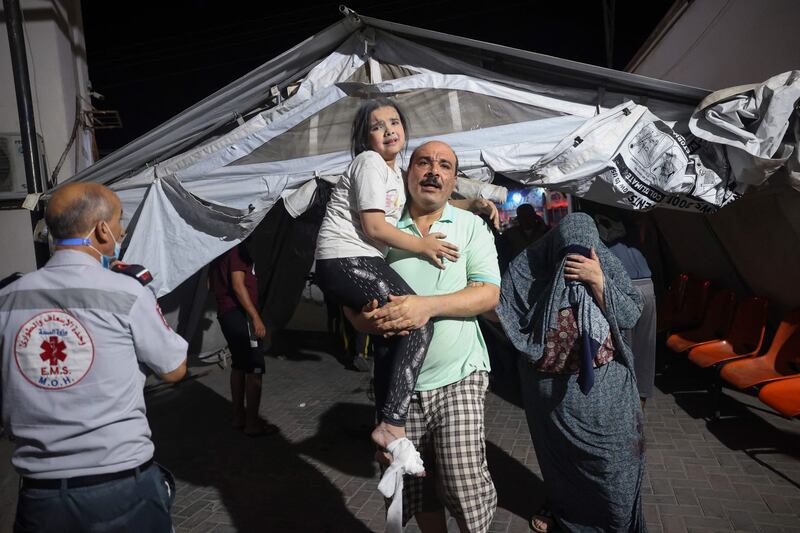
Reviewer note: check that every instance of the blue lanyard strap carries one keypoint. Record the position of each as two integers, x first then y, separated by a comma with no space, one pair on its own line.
77,241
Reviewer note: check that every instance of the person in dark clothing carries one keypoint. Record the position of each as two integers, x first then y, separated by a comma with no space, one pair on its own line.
624,241
235,288
529,229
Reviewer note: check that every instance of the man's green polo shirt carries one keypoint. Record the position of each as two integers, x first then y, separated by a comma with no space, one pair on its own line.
457,348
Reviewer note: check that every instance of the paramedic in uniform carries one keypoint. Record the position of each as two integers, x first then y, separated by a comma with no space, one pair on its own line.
72,338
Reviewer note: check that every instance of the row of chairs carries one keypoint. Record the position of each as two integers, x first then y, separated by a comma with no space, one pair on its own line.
723,332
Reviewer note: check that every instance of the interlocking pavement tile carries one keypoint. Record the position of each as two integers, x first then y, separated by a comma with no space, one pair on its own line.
762,519
196,519
741,520
662,498
679,510
713,507
778,504
673,524
720,482
690,483
717,494
498,527
661,486
706,522
651,513
685,496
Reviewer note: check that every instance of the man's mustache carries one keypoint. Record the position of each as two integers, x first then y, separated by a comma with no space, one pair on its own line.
430,181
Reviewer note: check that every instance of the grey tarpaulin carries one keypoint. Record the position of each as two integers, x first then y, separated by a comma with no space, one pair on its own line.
187,227
752,122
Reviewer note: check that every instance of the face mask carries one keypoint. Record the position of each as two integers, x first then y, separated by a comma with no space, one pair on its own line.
105,260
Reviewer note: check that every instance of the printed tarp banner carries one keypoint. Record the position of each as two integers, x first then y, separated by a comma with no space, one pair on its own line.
644,161
736,138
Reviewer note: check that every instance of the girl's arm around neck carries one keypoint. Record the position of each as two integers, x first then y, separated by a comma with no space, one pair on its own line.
375,226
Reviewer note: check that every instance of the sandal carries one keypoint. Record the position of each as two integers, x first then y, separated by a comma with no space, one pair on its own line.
544,514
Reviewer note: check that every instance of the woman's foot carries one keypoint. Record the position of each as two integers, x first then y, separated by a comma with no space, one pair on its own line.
543,521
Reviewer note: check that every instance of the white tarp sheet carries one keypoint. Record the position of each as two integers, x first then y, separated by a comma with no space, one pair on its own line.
176,233
739,137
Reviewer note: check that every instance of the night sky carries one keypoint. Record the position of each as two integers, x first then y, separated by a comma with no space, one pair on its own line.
151,60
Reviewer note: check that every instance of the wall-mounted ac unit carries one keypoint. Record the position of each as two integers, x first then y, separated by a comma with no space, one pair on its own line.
13,185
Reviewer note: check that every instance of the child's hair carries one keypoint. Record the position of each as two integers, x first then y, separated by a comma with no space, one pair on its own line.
359,137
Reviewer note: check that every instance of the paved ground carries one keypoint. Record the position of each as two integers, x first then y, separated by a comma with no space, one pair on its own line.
741,473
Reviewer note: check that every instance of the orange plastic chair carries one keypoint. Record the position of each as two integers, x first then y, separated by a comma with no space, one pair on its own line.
695,302
715,325
743,340
775,364
783,396
672,303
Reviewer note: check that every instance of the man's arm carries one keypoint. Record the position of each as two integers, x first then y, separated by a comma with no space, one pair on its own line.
412,311
175,375
240,290
156,345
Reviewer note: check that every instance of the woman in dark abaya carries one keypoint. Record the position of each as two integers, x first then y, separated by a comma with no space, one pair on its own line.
563,303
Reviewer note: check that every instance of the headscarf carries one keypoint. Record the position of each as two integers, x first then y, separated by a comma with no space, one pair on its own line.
533,291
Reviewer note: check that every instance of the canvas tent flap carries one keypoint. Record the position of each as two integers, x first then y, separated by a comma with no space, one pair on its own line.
176,233
753,118
646,162
752,122
237,98
298,110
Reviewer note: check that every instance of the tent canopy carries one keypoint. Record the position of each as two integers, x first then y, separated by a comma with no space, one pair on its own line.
200,182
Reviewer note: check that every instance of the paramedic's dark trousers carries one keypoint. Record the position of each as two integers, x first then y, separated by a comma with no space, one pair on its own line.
356,281
138,502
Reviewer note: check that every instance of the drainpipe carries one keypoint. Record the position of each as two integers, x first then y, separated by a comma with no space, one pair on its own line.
22,88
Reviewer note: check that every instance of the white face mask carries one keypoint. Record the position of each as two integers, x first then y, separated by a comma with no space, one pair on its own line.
105,260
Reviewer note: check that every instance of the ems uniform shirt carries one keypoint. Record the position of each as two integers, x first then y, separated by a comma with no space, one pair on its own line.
72,338
368,183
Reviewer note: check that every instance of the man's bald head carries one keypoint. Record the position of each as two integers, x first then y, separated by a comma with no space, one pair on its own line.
75,209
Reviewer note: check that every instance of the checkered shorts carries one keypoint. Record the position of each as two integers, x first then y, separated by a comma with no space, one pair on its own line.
446,426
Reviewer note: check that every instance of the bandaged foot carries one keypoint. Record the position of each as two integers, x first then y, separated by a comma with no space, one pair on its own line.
405,461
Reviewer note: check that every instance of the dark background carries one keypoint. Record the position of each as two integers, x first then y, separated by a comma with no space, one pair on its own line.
151,60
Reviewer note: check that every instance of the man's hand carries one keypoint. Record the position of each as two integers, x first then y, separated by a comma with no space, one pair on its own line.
259,328
485,207
403,313
435,249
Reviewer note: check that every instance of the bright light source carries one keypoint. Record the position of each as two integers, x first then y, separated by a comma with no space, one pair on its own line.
516,198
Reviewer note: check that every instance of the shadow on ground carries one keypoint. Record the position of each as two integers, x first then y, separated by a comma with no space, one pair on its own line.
745,424
263,483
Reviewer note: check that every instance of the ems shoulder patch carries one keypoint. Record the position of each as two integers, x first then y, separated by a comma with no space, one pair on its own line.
53,350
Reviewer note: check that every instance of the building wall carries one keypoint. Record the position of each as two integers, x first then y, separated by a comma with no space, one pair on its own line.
59,77
752,246
722,43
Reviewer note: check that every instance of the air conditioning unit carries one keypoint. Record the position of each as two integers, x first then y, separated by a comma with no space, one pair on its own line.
13,185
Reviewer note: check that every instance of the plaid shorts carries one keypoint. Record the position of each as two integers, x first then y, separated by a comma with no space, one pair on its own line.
446,426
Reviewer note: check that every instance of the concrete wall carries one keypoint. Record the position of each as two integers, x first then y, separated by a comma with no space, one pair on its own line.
722,43
59,78
16,242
